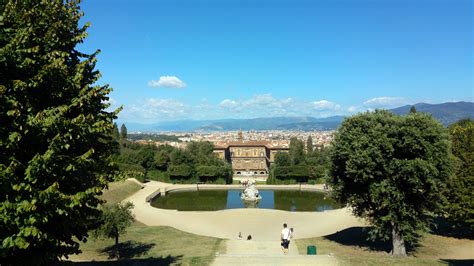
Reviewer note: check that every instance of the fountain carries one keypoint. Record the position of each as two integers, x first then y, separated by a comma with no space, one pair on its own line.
250,195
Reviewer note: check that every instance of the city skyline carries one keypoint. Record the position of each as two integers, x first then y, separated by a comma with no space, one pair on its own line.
169,60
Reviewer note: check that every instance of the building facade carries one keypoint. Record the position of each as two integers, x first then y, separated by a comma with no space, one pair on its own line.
249,158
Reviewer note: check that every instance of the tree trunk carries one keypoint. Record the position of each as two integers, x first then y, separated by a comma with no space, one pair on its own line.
398,244
116,239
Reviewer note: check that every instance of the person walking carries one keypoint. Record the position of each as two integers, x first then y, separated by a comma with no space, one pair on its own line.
285,238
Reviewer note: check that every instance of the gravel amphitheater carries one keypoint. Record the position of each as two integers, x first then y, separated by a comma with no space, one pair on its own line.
264,225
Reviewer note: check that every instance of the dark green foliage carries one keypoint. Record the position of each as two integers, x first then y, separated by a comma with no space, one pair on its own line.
126,170
166,162
460,191
55,135
158,175
180,171
412,109
212,173
391,170
147,156
282,159
123,132
162,160
179,156
296,151
309,145
298,172
202,148
153,137
115,220
116,133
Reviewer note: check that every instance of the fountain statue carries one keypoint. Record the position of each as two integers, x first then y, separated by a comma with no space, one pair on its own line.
250,194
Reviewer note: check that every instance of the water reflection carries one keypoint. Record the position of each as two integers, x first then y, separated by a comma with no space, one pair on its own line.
211,200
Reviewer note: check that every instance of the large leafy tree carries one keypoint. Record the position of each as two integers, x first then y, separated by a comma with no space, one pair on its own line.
460,191
55,138
391,170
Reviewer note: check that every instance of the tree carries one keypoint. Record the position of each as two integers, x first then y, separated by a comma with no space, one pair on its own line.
123,132
162,160
179,156
391,170
115,220
55,138
115,132
296,151
460,190
282,159
309,145
412,109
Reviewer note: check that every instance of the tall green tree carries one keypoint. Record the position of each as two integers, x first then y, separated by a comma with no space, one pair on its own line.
309,145
460,191
123,132
55,139
115,132
114,220
296,151
391,170
412,110
282,159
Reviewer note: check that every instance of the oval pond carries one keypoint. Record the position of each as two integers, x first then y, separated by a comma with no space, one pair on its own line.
213,200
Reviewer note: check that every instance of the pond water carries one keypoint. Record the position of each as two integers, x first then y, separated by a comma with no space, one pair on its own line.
213,200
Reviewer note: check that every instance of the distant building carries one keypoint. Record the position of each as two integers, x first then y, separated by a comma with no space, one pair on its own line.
249,158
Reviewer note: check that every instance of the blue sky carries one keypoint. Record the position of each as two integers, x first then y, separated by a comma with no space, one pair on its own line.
203,59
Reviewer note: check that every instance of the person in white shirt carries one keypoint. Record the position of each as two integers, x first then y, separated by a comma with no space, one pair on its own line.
285,238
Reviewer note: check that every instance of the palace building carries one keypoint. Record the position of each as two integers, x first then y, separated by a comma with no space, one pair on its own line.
249,158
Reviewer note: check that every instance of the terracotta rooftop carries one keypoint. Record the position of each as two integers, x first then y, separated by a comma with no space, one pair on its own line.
250,143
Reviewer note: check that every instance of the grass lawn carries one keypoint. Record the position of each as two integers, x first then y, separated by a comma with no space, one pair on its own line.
152,245
119,191
146,245
351,248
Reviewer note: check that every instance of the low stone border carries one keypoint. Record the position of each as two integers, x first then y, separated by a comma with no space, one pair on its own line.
194,187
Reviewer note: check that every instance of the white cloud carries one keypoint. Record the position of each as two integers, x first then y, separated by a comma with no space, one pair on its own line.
154,109
354,109
229,104
385,102
325,105
167,82
260,105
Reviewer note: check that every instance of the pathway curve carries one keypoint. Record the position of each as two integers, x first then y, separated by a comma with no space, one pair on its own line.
262,224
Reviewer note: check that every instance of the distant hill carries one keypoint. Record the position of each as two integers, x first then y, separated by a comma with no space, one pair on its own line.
447,113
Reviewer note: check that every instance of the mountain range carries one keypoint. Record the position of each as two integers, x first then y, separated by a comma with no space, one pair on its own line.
447,113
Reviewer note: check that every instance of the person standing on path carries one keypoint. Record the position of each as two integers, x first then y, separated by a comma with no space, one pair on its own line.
285,238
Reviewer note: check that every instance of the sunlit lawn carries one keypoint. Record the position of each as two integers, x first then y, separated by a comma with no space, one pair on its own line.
119,191
146,245
350,248
164,244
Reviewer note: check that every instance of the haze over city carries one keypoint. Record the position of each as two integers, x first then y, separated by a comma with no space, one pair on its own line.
234,59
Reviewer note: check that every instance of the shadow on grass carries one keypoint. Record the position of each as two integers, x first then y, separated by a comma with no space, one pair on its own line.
467,262
127,250
135,262
443,227
357,236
